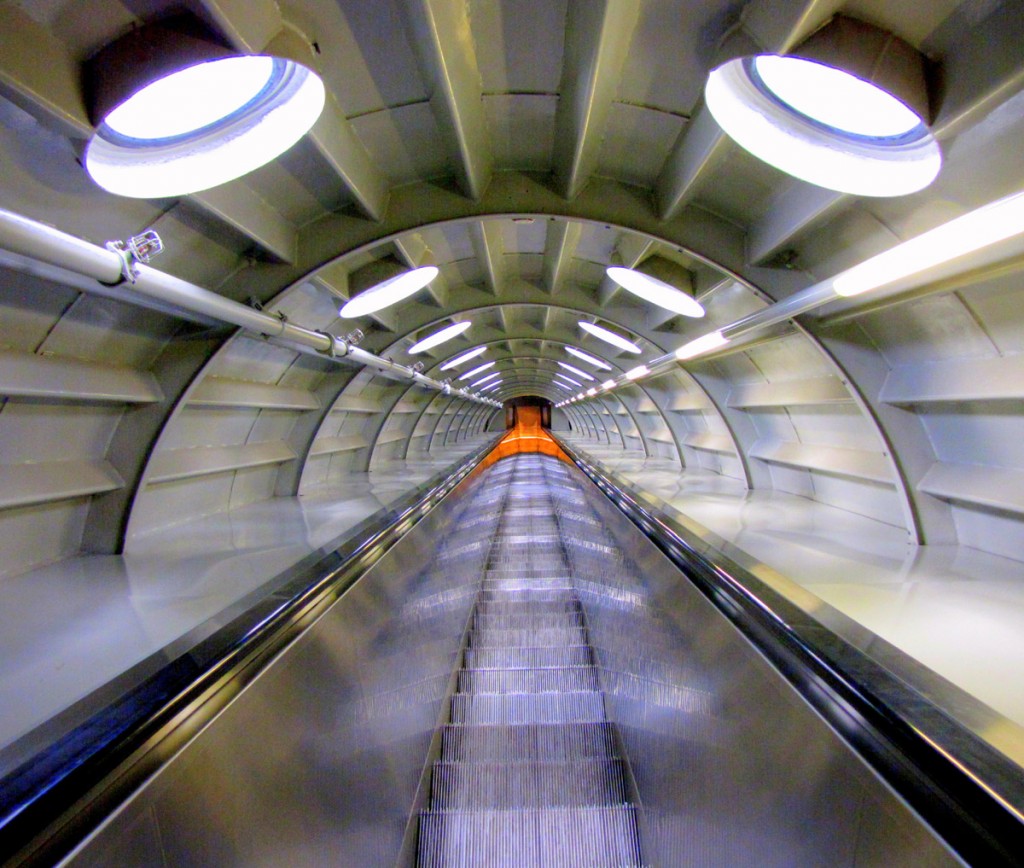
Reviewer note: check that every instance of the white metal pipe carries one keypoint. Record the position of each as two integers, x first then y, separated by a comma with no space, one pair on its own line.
45,244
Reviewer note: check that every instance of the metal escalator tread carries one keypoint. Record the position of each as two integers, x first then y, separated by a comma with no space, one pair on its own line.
529,772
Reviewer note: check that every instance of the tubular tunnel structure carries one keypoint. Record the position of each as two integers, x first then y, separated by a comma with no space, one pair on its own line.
525,664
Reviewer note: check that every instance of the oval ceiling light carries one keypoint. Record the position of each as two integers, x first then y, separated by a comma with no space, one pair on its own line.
477,370
486,379
178,112
589,359
439,337
847,111
389,292
463,357
583,375
655,291
609,337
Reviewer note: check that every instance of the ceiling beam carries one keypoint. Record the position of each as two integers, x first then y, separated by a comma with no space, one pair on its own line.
333,137
559,249
443,40
246,212
487,245
598,34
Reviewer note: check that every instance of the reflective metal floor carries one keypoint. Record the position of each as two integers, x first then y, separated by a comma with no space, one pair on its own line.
529,771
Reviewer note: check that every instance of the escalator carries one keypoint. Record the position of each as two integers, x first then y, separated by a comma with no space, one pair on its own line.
529,771
524,678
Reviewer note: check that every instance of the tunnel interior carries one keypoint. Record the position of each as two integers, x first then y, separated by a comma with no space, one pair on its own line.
180,439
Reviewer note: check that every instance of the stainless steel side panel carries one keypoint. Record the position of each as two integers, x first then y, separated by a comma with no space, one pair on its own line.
317,761
731,765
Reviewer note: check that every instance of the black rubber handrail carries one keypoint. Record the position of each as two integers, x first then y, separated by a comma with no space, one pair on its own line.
970,794
51,801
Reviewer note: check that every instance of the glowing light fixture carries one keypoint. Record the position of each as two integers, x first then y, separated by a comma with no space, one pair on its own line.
589,359
638,372
562,385
583,375
178,112
609,337
847,111
389,292
439,337
486,379
655,291
570,380
477,370
493,386
608,384
703,344
973,231
591,392
464,357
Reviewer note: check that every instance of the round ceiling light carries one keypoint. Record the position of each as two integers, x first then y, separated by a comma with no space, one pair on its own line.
203,125
389,292
609,337
655,291
439,337
823,125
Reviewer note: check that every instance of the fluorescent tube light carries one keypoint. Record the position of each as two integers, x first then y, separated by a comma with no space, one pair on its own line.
700,345
973,231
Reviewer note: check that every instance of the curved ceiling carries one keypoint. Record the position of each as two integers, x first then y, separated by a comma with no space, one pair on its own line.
520,146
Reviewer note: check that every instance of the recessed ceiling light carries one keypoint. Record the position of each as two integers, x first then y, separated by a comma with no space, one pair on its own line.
655,291
609,337
823,125
493,386
203,125
477,370
637,372
439,337
486,379
589,359
607,384
834,97
582,374
569,380
591,392
464,357
389,292
562,385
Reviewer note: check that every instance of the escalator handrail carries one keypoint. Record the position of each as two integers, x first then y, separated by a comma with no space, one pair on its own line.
971,794
51,801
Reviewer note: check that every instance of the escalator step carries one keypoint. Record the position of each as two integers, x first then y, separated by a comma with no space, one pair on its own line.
526,620
527,741
527,784
577,837
543,680
527,637
577,707
528,657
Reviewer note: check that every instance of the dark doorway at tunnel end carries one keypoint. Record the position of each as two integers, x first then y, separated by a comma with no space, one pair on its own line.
539,406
